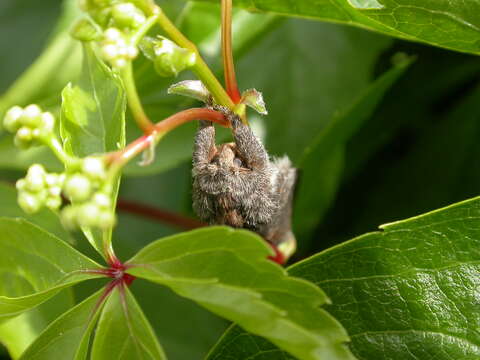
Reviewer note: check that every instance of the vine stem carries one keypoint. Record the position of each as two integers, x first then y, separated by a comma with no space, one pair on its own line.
134,101
120,158
227,53
200,68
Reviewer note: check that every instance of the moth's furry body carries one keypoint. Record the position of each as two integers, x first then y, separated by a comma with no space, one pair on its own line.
237,184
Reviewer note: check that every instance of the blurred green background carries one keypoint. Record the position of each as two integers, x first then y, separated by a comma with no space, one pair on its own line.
416,152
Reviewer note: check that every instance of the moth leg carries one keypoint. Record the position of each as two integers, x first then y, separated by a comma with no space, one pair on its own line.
250,149
204,148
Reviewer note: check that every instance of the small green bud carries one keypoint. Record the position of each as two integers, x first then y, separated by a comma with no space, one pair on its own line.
24,138
84,30
35,179
106,219
54,191
171,59
78,187
24,134
21,184
88,214
47,122
128,15
102,200
32,116
191,88
29,202
53,180
254,99
68,216
112,35
53,203
12,121
94,168
110,51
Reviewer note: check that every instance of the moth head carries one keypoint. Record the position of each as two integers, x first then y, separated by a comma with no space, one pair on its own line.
227,157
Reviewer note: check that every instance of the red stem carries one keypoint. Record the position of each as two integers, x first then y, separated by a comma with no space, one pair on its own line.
161,215
227,52
123,156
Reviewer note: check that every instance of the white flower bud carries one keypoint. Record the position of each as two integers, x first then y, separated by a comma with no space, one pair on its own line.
132,52
120,63
36,133
48,121
94,168
11,121
32,115
112,34
35,179
78,187
122,50
52,179
24,134
138,19
53,203
21,184
29,202
88,214
128,15
110,51
54,191
106,219
102,200
68,216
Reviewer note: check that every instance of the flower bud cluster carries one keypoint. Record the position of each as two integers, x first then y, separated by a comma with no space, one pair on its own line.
168,58
39,189
116,48
121,14
90,206
30,125
127,15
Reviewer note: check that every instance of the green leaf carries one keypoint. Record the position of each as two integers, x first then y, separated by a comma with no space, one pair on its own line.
320,180
123,330
227,272
93,120
450,24
306,85
93,110
408,292
34,266
45,218
68,337
18,333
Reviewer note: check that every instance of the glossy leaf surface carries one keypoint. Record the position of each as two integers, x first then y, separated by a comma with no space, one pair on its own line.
227,272
407,292
124,332
34,266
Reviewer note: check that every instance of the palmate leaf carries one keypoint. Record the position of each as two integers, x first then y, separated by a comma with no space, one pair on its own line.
34,266
124,332
408,292
93,109
453,24
227,272
93,120
68,337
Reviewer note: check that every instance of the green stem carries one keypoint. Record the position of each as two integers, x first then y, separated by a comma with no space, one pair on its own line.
134,102
200,68
54,144
137,37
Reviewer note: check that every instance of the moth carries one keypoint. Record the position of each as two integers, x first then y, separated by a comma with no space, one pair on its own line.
239,185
